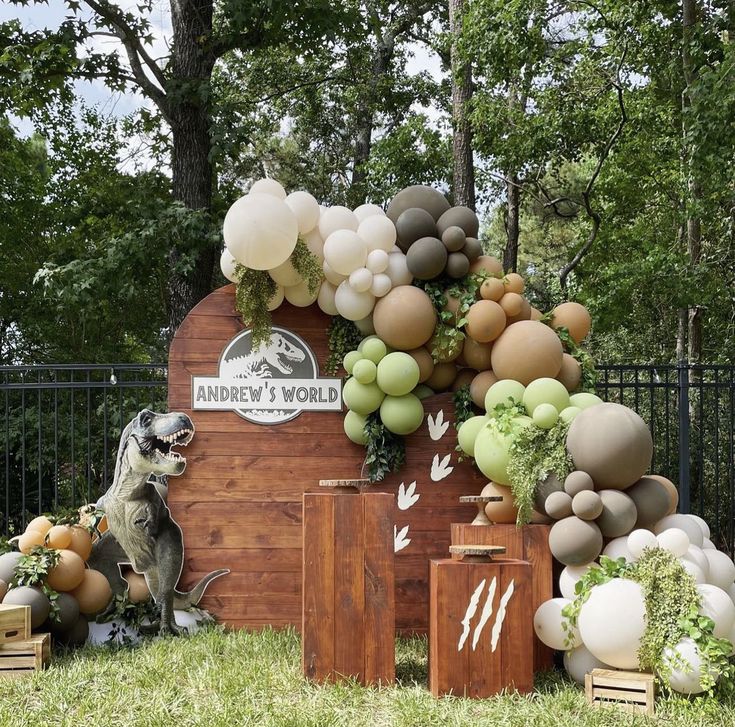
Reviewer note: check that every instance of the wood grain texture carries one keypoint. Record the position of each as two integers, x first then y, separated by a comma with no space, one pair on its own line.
239,500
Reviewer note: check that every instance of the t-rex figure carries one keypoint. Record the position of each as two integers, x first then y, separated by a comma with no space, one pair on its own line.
141,531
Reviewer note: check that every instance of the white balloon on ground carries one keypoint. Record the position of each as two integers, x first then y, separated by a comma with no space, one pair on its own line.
687,667
336,218
696,555
548,623
188,620
682,522
285,274
378,231
325,299
702,524
300,295
569,577
397,269
721,569
314,242
351,304
694,570
618,548
675,540
277,298
708,545
345,251
306,209
612,622
718,605
381,285
227,265
377,261
260,231
639,540
268,186
581,661
361,280
368,210
333,277
365,325
112,632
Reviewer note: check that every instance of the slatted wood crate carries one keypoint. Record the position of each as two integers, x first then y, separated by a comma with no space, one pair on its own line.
630,691
21,658
15,623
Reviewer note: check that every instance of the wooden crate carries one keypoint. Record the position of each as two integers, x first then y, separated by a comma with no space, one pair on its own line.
20,658
15,623
630,691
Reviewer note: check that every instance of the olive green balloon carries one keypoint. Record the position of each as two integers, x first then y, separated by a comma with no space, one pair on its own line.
545,416
426,258
462,217
362,398
402,414
492,451
398,373
468,433
454,238
545,391
418,195
618,515
350,360
568,413
505,391
412,225
472,248
584,400
457,265
422,391
374,349
365,371
354,426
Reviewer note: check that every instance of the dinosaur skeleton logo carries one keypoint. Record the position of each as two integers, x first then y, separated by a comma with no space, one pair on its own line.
487,612
269,385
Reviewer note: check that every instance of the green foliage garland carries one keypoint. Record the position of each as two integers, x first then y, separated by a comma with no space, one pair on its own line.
462,405
253,292
307,265
386,452
32,570
344,336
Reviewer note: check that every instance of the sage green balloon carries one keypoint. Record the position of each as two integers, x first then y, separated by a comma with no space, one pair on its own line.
374,349
354,425
362,398
468,433
568,414
365,371
545,416
585,400
423,391
402,414
398,373
545,391
505,391
350,360
492,450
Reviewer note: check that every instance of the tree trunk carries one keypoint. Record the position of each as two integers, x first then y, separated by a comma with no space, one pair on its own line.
512,224
463,163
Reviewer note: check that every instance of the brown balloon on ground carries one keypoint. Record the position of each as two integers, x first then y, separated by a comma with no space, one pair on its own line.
492,289
418,195
511,303
93,593
138,591
405,318
29,540
68,573
81,542
574,317
504,511
524,315
514,283
462,217
574,541
485,321
558,505
479,386
525,351
570,373
671,490
442,377
651,498
31,596
489,264
536,314
41,523
465,377
59,537
425,361
618,515
412,225
476,355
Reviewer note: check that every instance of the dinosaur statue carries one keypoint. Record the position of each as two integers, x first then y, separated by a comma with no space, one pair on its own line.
276,354
141,531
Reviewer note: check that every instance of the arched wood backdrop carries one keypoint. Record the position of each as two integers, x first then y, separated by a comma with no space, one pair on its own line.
239,500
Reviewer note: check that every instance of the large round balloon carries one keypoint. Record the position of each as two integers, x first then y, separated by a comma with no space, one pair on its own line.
306,209
574,541
81,542
260,231
418,195
402,414
687,670
485,321
462,217
651,500
721,569
378,232
412,225
682,522
718,605
398,373
30,596
336,218
426,258
505,392
618,515
345,251
93,593
574,317
68,573
268,186
492,451
525,351
8,561
405,318
548,623
611,443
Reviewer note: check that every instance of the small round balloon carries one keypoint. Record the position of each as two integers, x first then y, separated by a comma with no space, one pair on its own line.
268,186
549,625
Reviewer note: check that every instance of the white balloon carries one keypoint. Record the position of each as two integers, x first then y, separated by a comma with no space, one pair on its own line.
315,243
345,251
708,545
694,570
333,277
381,285
365,325
398,271
687,667
612,622
277,298
351,304
102,634
721,569
675,540
260,231
731,592
618,548
640,539
336,218
702,524
570,575
268,186
325,299
300,295
682,522
719,607
367,210
696,555
377,261
361,279
580,661
227,266
285,274
306,209
187,620
379,232
548,625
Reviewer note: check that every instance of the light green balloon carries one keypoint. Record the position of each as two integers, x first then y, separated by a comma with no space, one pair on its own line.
502,392
354,425
362,398
374,349
468,432
365,371
350,360
585,400
402,414
398,373
423,391
545,391
566,415
545,416
492,450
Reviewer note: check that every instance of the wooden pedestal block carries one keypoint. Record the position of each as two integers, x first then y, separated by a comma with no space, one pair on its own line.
480,627
629,691
20,658
531,543
348,626
15,623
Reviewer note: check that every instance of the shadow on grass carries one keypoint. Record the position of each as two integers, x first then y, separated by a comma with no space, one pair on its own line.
412,663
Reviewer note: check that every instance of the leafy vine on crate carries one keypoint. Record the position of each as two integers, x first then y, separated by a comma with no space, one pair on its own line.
344,336
307,265
253,292
385,451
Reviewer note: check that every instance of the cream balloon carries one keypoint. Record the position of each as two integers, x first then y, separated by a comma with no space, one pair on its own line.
361,280
277,298
674,540
260,231
686,666
345,251
378,231
367,210
333,277
570,575
381,285
731,592
306,209
336,218
718,605
300,295
227,265
702,524
639,540
548,623
397,269
696,555
286,274
707,544
681,522
268,186
580,661
721,569
618,548
325,299
377,261
351,304
314,242
693,570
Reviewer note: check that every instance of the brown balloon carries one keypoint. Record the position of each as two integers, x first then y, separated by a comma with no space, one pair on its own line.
41,523
651,498
453,238
412,225
587,505
536,314
479,386
59,537
574,541
570,373
487,263
93,593
472,248
485,321
442,377
426,258
558,505
514,283
138,591
418,195
492,289
618,515
425,361
405,318
462,217
477,355
512,304
672,491
523,315
527,350
81,542
67,613
465,377
457,265
29,540
68,573
503,511
575,318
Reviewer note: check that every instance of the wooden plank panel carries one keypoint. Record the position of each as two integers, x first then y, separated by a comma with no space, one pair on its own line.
272,560
516,637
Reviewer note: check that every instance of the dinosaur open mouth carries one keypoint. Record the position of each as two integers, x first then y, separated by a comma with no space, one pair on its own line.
163,445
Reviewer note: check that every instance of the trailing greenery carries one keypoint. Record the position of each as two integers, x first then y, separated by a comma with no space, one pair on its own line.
254,290
32,570
588,382
446,343
386,452
462,405
307,265
344,336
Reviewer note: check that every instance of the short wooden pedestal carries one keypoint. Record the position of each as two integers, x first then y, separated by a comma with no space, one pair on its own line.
21,658
480,626
348,627
531,543
15,623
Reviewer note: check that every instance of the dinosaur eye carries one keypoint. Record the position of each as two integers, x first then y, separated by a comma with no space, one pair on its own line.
146,417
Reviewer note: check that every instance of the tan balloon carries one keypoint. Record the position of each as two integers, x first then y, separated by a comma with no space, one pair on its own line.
41,524
525,351
81,542
536,314
138,591
442,377
68,573
523,315
575,318
425,361
59,537
492,289
514,283
477,355
405,318
479,386
504,511
489,264
512,304
485,321
93,593
570,373
29,540
671,490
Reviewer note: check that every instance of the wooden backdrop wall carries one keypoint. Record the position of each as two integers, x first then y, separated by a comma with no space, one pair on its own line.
239,501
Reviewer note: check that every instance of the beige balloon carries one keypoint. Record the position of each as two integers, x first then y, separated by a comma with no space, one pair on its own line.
300,295
306,209
286,274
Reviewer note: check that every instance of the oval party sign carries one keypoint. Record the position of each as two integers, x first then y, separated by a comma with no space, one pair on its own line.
269,385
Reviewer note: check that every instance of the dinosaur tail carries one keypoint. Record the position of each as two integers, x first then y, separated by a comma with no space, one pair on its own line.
191,598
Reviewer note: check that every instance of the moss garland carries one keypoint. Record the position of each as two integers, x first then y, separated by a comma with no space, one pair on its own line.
386,452
252,295
307,265
343,336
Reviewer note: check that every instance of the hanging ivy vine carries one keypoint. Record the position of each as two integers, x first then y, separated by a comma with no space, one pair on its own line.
252,295
386,452
33,568
462,406
307,265
343,336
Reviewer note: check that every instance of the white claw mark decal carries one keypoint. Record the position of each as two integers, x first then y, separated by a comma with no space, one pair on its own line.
469,613
440,470
437,427
400,541
407,496
487,611
501,615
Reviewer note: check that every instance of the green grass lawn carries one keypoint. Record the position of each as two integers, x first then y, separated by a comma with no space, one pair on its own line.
244,678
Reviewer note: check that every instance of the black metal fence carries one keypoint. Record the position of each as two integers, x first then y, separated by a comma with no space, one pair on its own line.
60,425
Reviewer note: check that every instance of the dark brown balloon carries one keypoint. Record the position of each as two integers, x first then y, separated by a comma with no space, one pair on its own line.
412,225
587,505
570,373
574,541
544,488
479,386
462,217
442,377
651,498
527,350
426,258
671,489
425,361
454,238
457,265
472,248
405,318
578,481
30,596
418,195
67,615
618,515
558,505
477,355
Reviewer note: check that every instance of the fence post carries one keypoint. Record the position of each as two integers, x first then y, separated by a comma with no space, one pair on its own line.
684,482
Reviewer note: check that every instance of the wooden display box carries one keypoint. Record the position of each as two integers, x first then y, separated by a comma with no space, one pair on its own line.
480,627
348,625
15,623
630,691
530,543
20,658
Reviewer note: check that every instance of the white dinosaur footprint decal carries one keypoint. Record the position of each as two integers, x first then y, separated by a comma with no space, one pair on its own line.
400,541
437,427
407,496
440,470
